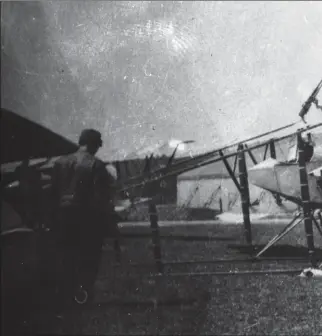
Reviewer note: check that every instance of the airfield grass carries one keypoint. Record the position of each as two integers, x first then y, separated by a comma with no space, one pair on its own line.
125,297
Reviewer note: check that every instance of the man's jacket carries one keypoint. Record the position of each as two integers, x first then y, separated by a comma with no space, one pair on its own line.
81,180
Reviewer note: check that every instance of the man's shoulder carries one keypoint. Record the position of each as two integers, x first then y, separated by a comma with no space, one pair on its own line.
99,164
106,168
64,159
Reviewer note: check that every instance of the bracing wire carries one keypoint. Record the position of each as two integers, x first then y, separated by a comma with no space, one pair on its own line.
212,196
191,196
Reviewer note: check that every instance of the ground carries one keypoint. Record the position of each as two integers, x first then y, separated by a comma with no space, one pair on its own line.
130,301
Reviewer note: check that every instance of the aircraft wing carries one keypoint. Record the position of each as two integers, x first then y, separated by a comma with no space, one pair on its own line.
22,138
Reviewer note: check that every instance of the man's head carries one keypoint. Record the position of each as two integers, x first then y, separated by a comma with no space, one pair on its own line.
91,140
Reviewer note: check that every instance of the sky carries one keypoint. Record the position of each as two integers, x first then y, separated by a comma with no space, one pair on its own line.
147,72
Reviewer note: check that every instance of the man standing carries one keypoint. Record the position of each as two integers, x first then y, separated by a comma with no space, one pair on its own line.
83,193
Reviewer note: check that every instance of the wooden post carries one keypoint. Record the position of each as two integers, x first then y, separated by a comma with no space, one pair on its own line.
155,236
306,205
273,156
243,181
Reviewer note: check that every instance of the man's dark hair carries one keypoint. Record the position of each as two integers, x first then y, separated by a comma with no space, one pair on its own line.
90,137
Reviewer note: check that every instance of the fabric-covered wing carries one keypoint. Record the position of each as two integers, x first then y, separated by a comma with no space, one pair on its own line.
22,138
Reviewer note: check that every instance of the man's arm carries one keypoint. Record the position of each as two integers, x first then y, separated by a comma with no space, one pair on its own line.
105,192
105,185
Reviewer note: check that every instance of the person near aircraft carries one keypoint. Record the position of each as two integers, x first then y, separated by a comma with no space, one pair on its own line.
308,147
83,192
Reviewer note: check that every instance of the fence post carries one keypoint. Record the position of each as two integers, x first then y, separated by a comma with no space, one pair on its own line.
158,260
155,236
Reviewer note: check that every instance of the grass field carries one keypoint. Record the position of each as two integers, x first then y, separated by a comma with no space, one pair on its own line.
128,301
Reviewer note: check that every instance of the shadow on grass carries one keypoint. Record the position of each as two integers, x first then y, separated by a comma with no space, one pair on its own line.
130,305
134,304
178,237
283,251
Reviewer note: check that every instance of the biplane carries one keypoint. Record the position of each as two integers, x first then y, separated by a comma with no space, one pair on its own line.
282,177
41,147
25,141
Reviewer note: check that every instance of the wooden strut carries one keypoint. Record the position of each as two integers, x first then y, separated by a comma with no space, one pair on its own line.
220,205
235,164
244,193
306,205
230,171
251,155
317,225
273,156
265,153
298,218
294,222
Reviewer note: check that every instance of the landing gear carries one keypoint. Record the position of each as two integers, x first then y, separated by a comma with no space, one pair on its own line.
315,272
297,219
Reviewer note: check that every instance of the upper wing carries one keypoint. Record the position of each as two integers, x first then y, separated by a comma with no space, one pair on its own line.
22,139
